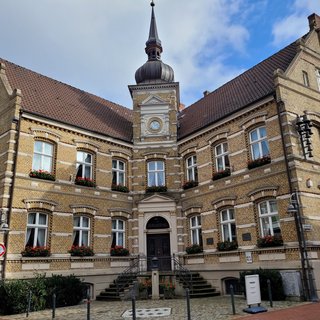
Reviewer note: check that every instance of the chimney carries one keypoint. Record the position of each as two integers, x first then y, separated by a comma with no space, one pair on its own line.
314,22
205,93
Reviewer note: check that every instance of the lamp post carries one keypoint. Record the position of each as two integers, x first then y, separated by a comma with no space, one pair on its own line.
307,276
4,228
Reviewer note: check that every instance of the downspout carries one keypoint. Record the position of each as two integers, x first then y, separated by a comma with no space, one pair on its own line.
280,104
17,122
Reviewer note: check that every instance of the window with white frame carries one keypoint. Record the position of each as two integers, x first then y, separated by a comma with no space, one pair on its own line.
81,231
118,172
318,77
118,233
156,174
84,165
222,158
269,218
259,143
42,156
192,170
195,228
228,225
37,228
305,78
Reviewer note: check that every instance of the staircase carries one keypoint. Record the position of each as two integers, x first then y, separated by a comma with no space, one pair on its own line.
198,286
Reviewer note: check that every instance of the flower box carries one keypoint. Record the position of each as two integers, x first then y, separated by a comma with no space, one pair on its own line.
227,245
36,252
195,248
270,241
221,174
119,251
84,182
41,174
81,251
156,189
190,184
259,162
120,188
168,289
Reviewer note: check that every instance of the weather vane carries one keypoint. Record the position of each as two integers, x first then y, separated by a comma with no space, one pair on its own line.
152,3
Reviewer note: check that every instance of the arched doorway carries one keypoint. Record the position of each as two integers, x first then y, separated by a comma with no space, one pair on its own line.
158,242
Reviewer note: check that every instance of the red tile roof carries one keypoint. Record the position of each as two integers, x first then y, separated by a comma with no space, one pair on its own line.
55,100
249,87
58,101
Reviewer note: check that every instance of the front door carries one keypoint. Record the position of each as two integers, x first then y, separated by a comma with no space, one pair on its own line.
158,245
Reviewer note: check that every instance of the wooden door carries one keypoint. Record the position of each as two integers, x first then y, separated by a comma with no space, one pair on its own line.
158,245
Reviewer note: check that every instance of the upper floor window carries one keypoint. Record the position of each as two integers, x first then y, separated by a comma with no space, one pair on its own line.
221,156
318,77
81,231
156,174
118,233
259,143
118,172
228,225
192,170
84,164
305,78
42,156
269,218
37,227
195,227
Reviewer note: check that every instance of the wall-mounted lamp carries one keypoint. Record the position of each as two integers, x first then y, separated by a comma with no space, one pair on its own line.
3,221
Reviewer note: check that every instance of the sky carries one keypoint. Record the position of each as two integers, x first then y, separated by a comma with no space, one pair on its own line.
97,45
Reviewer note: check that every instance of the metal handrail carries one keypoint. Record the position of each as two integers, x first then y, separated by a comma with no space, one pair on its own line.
183,273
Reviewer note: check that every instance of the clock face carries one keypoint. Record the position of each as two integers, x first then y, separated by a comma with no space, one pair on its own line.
155,125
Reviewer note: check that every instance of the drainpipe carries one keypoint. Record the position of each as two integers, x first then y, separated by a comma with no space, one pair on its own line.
17,122
302,249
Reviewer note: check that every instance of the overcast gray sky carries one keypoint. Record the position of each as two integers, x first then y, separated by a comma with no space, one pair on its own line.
97,45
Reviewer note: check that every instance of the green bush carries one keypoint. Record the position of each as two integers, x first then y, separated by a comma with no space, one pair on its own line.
264,274
14,293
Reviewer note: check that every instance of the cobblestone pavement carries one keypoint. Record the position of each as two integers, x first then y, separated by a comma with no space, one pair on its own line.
215,308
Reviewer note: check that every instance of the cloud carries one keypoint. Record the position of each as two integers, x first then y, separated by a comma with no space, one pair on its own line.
295,24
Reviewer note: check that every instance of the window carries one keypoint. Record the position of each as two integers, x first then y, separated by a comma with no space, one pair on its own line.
305,78
259,144
318,77
228,225
222,158
195,227
37,229
192,170
269,219
42,156
84,165
118,233
156,176
81,230
118,172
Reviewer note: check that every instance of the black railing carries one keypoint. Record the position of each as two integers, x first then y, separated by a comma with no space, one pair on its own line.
183,273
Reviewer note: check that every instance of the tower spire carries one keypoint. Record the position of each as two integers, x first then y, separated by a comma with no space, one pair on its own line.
153,44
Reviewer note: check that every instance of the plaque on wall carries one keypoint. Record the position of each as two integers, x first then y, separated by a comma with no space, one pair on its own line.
209,241
246,236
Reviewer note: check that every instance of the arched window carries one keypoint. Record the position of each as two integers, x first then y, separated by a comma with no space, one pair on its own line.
269,218
118,172
195,228
81,231
118,233
37,228
228,225
259,143
192,170
43,156
222,157
156,174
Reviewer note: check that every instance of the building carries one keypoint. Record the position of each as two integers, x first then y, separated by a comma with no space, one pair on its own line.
220,173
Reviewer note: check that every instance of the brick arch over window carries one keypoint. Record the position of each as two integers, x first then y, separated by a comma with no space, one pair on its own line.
42,204
44,133
120,212
83,209
263,192
224,202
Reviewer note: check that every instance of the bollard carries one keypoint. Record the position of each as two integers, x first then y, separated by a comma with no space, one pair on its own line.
29,303
270,293
54,305
88,304
133,299
188,304
232,299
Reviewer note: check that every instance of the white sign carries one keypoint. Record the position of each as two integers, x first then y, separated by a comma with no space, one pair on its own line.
253,289
2,249
248,256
